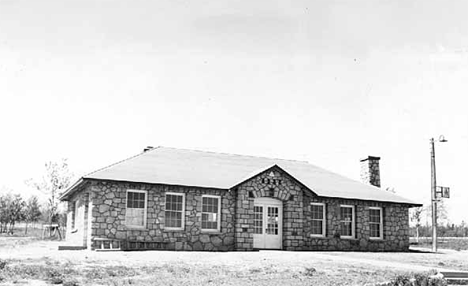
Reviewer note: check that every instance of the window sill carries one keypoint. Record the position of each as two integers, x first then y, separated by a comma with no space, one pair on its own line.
376,238
348,238
174,229
134,227
318,236
209,231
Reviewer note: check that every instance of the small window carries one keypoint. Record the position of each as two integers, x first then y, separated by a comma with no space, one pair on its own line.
375,223
347,221
318,219
174,213
74,214
135,215
211,211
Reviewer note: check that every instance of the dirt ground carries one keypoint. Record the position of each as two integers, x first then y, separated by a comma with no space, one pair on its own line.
34,262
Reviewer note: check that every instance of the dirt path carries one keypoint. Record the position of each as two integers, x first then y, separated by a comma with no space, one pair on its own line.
268,268
379,263
444,260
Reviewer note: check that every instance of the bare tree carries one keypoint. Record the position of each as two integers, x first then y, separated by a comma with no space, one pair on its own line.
442,214
4,212
32,211
16,211
11,212
416,217
56,179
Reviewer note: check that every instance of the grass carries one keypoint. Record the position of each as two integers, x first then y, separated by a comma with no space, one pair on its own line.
55,272
455,243
34,231
30,259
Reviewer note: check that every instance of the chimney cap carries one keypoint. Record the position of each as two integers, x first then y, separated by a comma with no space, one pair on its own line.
148,148
370,158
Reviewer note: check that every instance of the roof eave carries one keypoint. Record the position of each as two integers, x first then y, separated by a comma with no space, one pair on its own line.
410,204
65,195
155,183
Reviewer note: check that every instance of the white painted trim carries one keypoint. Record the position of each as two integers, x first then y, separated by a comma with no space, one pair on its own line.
267,200
353,222
145,212
183,211
324,220
218,215
381,224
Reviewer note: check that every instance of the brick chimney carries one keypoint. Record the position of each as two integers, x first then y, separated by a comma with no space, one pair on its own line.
370,171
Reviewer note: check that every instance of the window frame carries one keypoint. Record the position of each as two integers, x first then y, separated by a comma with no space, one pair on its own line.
353,222
324,219
182,224
145,211
381,224
218,229
75,214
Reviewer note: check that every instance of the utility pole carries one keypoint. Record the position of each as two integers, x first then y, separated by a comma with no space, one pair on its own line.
433,197
444,193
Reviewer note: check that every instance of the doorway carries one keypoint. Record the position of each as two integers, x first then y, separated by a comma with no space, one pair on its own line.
268,223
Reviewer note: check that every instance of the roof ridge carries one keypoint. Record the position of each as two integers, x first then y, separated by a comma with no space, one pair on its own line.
121,161
232,154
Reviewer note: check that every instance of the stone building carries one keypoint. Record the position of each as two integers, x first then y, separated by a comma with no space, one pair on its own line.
174,199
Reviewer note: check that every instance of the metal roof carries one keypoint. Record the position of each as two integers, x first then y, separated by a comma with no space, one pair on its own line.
163,165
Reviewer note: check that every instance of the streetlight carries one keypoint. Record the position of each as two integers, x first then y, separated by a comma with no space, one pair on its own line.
434,193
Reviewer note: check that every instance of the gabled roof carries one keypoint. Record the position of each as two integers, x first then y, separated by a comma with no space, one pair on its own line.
182,167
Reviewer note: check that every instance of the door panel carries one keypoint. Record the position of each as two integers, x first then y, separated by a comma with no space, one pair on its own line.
272,221
258,226
268,223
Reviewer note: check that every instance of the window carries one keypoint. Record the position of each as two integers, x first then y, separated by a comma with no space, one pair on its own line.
375,223
175,209
75,214
318,219
258,219
347,221
135,216
211,209
272,220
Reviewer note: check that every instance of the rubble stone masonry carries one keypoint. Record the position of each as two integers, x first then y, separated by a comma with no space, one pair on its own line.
395,227
273,184
107,202
108,221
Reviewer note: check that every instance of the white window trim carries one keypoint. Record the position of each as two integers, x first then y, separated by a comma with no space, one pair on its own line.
219,214
381,224
182,227
353,222
145,212
324,224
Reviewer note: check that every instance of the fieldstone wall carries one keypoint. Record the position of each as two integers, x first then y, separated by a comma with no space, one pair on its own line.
273,183
395,227
108,217
102,208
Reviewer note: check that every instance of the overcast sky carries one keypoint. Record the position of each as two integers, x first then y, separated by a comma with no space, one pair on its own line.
326,81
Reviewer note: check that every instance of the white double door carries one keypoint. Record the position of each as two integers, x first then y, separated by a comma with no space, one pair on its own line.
268,223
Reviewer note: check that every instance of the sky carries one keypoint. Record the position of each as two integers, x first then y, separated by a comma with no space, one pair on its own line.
327,81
